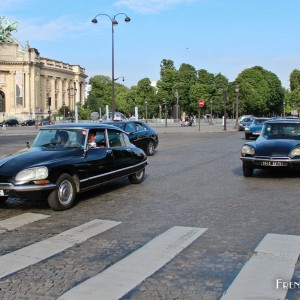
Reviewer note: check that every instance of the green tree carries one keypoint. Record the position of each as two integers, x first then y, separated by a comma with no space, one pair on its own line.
295,79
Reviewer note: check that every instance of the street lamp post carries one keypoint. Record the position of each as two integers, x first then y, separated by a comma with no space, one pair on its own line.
113,23
146,110
237,89
210,119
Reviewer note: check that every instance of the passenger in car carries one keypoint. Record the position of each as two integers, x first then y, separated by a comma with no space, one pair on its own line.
92,139
63,138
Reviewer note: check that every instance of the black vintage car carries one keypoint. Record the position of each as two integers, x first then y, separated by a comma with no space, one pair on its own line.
10,122
278,146
139,133
56,169
28,123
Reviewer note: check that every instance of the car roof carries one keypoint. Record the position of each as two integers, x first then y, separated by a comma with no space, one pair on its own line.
282,120
87,126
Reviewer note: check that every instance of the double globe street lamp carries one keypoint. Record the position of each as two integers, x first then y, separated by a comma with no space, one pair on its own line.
113,79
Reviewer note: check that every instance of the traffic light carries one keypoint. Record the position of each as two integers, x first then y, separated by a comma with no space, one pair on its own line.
49,101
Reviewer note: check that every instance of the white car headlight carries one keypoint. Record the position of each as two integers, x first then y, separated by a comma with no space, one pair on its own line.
295,152
247,150
36,173
247,128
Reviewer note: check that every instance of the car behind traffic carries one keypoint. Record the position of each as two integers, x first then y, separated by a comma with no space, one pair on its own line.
139,133
254,129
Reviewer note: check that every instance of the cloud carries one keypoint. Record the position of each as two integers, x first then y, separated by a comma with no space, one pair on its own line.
151,6
61,28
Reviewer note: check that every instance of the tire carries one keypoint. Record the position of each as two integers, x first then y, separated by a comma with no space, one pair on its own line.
247,170
137,177
63,197
150,148
247,136
3,199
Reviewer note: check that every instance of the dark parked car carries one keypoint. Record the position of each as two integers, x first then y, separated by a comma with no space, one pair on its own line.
10,122
56,172
28,123
278,146
139,133
255,128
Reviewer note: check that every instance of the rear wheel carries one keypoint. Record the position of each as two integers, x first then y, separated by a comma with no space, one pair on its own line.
3,199
63,197
137,177
150,148
247,169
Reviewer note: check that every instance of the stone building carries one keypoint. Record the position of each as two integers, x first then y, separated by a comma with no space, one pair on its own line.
30,82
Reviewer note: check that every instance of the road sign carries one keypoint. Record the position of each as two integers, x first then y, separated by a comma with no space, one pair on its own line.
201,103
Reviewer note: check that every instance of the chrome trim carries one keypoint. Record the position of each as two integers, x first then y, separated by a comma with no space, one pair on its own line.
51,186
27,188
113,172
281,159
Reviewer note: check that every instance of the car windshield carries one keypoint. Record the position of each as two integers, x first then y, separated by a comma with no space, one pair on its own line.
281,131
247,120
118,124
60,139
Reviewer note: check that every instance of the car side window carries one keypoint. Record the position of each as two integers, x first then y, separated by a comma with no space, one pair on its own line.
130,127
139,127
117,138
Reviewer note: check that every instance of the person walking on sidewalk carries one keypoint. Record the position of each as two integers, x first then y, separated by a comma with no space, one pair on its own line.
3,125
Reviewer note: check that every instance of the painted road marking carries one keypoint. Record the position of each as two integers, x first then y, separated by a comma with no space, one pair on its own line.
20,259
20,220
275,259
123,276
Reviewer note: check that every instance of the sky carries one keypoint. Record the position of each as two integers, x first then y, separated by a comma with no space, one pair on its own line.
220,36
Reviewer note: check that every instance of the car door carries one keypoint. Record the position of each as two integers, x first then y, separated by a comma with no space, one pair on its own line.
122,152
140,136
99,162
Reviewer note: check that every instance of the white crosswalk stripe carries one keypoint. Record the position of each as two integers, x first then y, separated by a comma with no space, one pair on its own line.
126,274
39,251
274,260
265,276
20,220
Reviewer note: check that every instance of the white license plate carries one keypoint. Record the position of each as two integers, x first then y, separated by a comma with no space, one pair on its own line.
273,163
1,193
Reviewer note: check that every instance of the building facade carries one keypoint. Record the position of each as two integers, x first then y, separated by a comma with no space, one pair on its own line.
34,86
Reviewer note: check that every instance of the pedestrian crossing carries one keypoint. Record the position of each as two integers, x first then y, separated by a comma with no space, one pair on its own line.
263,277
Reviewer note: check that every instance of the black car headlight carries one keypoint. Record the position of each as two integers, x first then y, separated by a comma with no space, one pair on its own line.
295,152
247,150
36,173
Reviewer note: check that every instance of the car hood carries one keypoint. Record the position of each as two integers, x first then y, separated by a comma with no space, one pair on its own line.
255,127
10,165
281,147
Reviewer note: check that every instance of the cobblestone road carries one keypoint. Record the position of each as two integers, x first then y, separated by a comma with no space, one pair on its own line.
194,180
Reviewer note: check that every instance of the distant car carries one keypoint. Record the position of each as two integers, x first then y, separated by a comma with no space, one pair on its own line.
255,128
28,123
139,133
68,120
278,146
245,121
118,116
44,122
10,122
52,171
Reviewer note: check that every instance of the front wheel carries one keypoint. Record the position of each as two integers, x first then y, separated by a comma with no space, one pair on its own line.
150,148
137,177
247,136
247,169
63,197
